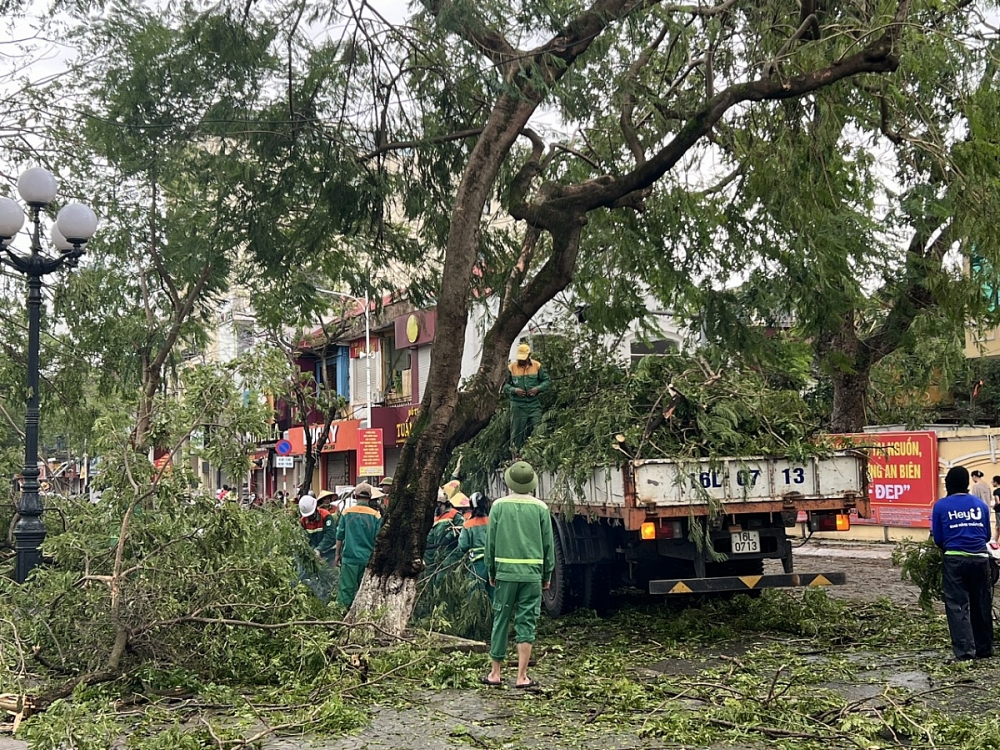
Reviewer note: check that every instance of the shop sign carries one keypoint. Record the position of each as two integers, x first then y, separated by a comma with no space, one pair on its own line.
415,329
371,453
358,346
343,436
403,428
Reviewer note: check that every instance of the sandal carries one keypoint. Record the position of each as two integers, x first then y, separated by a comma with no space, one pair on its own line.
530,684
485,680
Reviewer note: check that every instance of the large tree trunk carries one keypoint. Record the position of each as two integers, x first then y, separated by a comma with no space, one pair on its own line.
849,412
388,589
850,370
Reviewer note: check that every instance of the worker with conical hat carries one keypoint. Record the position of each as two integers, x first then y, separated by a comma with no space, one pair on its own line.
472,542
442,539
526,380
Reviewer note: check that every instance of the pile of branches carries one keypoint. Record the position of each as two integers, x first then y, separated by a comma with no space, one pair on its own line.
681,405
165,582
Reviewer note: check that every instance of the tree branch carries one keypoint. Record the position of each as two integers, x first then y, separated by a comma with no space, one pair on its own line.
771,66
887,131
911,298
628,101
397,145
491,42
154,249
520,268
577,154
878,57
17,429
529,170
270,625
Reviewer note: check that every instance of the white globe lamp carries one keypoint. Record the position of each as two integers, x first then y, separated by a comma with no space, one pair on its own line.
11,218
37,187
77,223
59,242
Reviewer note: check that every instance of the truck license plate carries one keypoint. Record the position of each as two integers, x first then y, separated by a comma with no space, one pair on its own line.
745,542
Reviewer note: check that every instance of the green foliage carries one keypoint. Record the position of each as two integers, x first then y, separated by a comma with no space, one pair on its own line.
813,235
72,721
682,405
450,601
713,672
679,405
976,389
182,558
920,563
913,385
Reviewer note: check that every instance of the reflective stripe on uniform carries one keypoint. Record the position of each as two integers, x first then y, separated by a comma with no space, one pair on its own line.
363,509
522,500
515,561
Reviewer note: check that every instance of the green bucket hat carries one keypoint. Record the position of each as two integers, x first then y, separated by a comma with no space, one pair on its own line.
520,477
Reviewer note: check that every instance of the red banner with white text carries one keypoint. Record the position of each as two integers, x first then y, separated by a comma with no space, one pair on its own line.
902,477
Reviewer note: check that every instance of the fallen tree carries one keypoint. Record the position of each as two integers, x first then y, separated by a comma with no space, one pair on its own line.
636,129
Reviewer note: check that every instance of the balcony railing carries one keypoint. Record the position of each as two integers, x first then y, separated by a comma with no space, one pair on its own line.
397,399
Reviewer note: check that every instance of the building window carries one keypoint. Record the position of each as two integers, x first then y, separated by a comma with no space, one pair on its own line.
396,369
330,372
244,337
640,349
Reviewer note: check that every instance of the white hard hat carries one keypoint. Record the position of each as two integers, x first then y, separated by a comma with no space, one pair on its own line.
307,505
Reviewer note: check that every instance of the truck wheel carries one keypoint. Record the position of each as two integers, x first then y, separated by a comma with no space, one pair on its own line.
558,599
596,587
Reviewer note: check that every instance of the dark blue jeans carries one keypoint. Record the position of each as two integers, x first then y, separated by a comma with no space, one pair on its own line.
968,604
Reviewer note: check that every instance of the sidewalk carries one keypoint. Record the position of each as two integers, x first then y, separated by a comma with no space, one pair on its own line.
857,550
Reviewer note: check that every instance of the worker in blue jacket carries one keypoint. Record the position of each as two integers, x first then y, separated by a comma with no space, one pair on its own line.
960,525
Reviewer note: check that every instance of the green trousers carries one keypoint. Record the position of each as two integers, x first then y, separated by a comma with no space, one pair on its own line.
520,600
524,418
350,581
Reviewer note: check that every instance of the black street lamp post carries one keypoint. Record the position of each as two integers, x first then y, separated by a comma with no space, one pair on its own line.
74,226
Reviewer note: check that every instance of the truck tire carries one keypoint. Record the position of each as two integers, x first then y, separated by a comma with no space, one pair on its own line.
558,598
596,588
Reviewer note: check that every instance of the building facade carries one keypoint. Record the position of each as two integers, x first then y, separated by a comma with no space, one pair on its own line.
397,367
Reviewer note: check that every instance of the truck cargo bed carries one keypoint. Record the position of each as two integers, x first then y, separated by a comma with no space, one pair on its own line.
661,488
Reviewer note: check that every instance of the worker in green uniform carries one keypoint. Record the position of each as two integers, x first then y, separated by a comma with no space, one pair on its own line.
320,526
519,562
526,379
472,542
385,487
442,539
359,525
329,500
